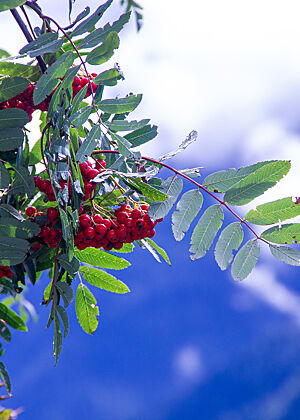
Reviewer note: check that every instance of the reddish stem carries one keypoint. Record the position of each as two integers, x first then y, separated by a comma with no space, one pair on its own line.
197,184
79,56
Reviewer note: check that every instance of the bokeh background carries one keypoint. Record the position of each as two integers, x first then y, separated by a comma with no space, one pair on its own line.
187,342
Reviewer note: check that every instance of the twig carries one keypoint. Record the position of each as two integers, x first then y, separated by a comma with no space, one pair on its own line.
28,37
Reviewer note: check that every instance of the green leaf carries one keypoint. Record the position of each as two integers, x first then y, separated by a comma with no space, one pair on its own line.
4,332
13,118
6,210
231,238
105,51
205,231
5,377
124,125
171,186
142,135
245,260
269,213
50,79
159,250
221,181
11,139
65,224
89,144
286,254
81,116
32,73
99,35
78,99
87,310
103,280
119,106
101,259
63,93
24,182
70,266
10,4
35,155
108,77
11,87
256,183
45,43
12,250
4,177
284,234
4,53
65,291
124,147
64,318
88,24
57,342
11,318
150,192
186,210
126,248
18,229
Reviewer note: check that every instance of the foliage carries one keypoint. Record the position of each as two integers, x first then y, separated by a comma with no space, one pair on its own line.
85,186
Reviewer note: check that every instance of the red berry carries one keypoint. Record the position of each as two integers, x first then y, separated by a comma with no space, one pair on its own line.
85,220
52,214
112,235
100,230
91,174
89,233
107,223
97,219
30,211
122,216
136,214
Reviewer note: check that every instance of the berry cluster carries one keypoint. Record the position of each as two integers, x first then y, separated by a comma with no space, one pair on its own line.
88,173
127,226
25,99
5,271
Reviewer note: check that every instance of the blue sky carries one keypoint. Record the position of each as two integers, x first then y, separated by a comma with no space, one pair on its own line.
188,342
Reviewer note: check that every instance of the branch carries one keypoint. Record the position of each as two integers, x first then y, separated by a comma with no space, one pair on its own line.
28,37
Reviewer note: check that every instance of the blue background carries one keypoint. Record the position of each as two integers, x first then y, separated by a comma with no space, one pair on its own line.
187,342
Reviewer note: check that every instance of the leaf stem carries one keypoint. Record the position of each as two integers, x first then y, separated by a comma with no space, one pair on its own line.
195,183
80,58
